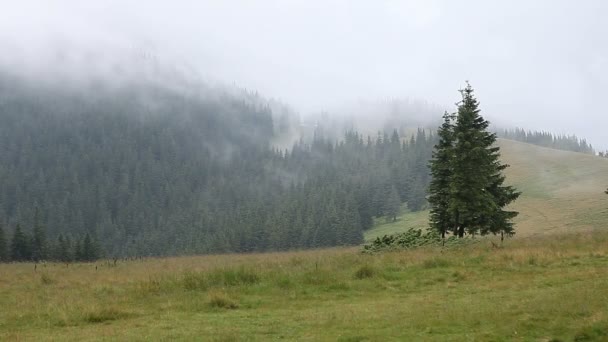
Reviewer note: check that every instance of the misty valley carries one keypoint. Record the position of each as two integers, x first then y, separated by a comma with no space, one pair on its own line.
303,171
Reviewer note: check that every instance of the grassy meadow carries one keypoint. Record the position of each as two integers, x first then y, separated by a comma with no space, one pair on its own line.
538,288
549,283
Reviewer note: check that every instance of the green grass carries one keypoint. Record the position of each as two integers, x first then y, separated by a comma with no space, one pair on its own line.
562,191
405,221
537,288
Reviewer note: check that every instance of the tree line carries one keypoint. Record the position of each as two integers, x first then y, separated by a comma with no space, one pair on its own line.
35,247
546,139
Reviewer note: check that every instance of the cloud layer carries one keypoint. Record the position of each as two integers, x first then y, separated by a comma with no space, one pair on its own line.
538,65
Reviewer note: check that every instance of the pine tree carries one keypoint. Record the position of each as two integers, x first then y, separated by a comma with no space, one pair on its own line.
78,251
20,246
39,244
475,197
392,205
3,245
441,173
90,249
501,220
62,250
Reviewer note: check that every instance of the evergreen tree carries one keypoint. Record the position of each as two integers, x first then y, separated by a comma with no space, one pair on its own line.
501,220
392,205
39,244
61,251
477,196
78,251
90,249
470,203
3,245
20,246
441,173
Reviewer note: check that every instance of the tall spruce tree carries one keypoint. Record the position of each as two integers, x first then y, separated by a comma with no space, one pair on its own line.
467,194
441,173
62,250
3,245
20,246
90,249
392,205
39,243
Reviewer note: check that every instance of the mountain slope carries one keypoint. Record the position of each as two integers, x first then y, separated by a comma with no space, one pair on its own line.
562,192
152,168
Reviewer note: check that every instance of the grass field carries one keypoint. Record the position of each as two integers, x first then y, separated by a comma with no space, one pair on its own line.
550,283
539,288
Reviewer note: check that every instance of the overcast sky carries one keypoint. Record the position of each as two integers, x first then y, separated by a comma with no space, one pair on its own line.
534,64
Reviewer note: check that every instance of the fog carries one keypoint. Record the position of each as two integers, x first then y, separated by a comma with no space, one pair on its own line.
534,64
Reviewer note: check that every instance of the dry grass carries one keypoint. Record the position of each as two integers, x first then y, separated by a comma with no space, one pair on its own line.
533,288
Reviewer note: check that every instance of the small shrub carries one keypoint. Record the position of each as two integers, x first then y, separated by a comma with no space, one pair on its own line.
365,271
414,238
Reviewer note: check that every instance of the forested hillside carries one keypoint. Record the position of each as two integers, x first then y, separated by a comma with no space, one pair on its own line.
147,169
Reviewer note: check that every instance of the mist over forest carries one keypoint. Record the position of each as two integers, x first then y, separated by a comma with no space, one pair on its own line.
150,168
244,138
